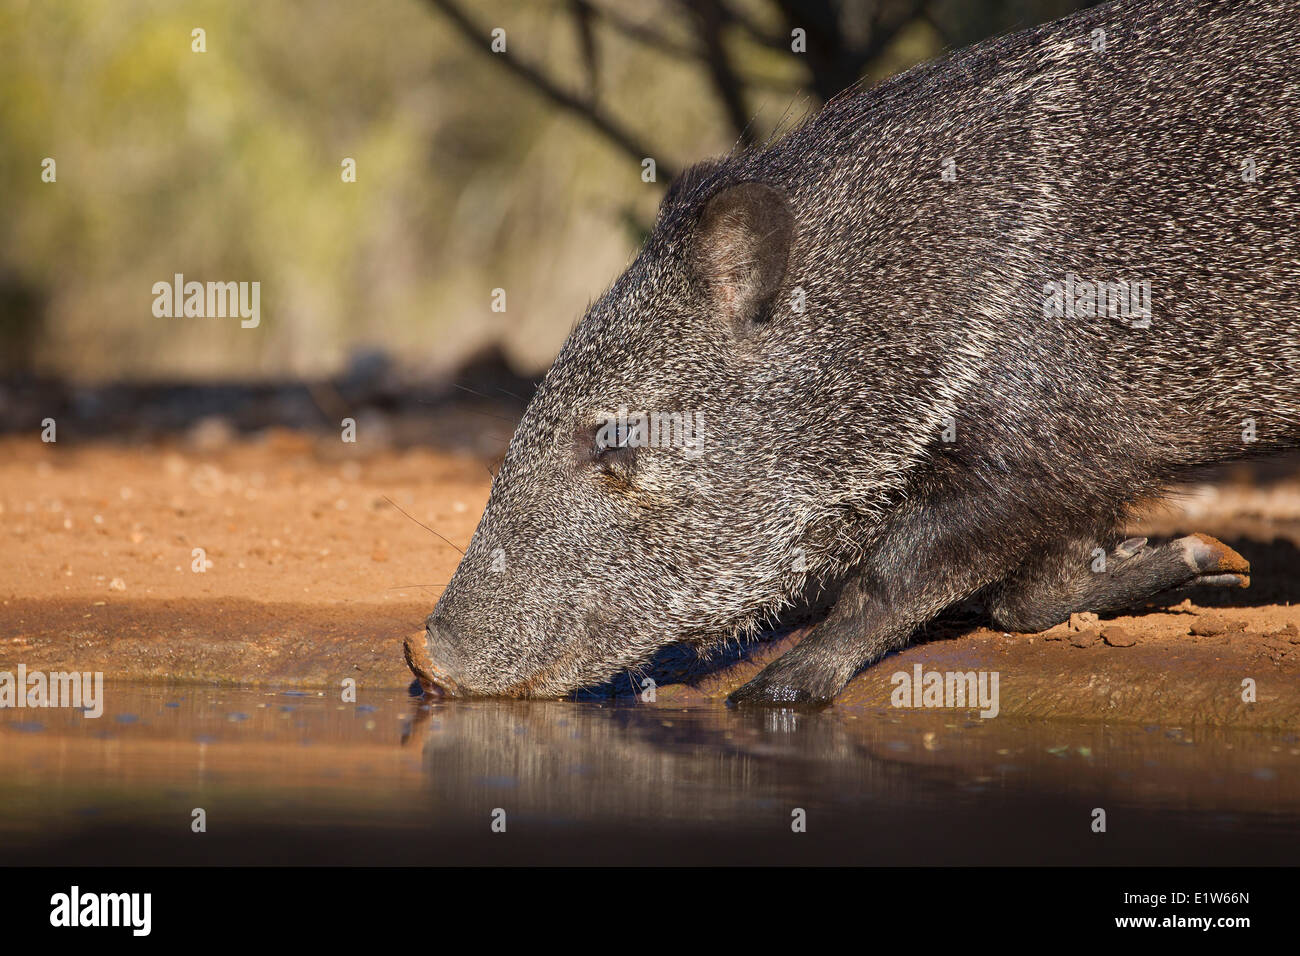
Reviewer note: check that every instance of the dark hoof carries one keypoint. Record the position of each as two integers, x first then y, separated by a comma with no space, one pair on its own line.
766,692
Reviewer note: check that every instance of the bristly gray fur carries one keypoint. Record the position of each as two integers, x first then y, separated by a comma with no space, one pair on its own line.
823,464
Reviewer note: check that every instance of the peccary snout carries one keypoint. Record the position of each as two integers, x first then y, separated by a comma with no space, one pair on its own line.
436,654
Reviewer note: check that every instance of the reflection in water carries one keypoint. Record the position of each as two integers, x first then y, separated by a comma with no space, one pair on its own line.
293,777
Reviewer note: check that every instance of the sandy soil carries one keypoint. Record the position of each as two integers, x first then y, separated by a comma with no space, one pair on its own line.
314,577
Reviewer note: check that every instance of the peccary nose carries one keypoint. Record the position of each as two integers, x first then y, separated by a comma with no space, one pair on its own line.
429,656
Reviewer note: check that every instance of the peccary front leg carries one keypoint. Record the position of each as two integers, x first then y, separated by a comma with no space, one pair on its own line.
930,557
1046,590
862,627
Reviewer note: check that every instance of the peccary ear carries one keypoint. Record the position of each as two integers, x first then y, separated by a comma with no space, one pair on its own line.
741,247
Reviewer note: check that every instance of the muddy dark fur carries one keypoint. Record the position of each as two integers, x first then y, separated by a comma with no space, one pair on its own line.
825,467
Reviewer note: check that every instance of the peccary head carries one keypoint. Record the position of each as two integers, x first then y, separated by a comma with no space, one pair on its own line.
647,497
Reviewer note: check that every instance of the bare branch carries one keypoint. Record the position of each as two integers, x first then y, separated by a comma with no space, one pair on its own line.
589,111
837,66
756,33
582,17
661,43
645,35
712,18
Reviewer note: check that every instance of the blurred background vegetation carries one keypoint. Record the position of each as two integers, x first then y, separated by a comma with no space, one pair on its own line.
476,170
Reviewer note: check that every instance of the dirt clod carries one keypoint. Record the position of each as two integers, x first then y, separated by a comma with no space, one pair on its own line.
1289,633
1083,621
1212,625
1084,638
1117,637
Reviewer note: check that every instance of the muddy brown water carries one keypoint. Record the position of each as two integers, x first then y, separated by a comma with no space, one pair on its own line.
291,776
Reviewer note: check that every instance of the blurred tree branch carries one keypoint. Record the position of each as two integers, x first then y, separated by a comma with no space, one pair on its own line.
712,18
844,39
653,39
585,108
582,13
835,61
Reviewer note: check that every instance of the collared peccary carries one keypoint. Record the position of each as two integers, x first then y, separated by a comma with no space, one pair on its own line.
935,344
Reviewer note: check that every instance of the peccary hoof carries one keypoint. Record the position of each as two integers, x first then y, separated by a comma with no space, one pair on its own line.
761,692
1214,561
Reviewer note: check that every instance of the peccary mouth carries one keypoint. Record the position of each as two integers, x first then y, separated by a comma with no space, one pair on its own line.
434,681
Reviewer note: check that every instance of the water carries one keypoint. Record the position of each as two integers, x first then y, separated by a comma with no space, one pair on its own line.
292,777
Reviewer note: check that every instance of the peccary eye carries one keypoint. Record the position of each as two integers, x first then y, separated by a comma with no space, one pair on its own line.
611,438
612,445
